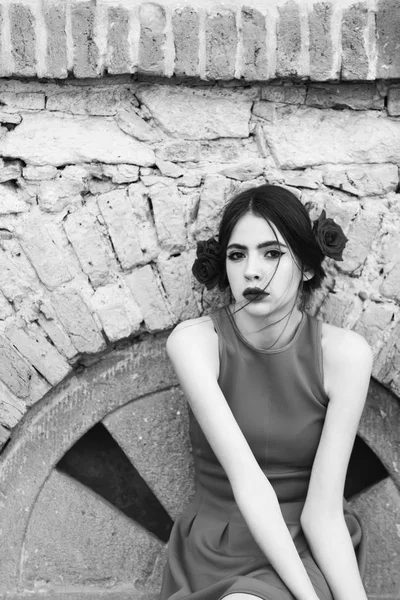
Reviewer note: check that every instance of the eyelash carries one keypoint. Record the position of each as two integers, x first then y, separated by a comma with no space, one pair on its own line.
278,255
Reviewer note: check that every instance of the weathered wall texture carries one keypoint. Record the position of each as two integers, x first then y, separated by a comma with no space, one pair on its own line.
105,188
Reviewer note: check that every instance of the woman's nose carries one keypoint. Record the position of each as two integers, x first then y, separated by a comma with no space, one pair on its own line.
252,270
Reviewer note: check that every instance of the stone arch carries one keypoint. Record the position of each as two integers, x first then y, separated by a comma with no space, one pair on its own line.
134,390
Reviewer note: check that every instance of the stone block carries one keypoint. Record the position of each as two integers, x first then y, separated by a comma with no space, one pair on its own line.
146,290
119,314
358,96
23,40
264,110
78,321
54,139
86,52
130,122
54,14
337,308
117,210
198,113
379,511
92,248
119,59
393,106
15,373
388,43
169,169
12,409
89,545
179,151
254,60
23,100
39,173
363,180
288,53
81,101
374,321
121,173
288,94
168,216
154,432
321,43
11,170
6,309
185,28
152,38
10,118
33,345
49,322
177,280
355,60
309,178
17,277
214,195
40,246
55,195
390,288
221,44
12,200
362,234
305,137
4,435
244,171
144,221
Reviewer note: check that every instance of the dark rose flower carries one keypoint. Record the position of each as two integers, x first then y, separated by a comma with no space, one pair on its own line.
330,236
206,268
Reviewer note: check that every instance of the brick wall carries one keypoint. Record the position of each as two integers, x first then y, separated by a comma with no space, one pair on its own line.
326,40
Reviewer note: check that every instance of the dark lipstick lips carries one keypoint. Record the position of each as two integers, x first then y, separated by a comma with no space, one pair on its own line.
255,292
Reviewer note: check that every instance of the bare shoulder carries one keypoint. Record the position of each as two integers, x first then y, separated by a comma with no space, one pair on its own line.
195,338
345,351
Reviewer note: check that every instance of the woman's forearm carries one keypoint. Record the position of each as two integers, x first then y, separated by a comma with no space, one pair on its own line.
260,509
332,548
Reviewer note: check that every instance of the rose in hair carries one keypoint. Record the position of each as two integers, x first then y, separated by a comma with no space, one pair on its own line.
330,236
206,268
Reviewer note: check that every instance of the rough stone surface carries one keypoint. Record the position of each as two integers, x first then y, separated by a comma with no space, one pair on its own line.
361,96
361,236
56,53
117,310
86,52
119,60
71,515
77,321
307,137
394,102
152,38
221,40
56,140
189,114
374,322
12,200
117,210
130,122
22,101
146,290
379,509
288,40
363,180
288,94
354,57
321,50
185,27
214,195
14,371
154,432
168,216
177,281
388,44
90,245
22,24
145,221
255,61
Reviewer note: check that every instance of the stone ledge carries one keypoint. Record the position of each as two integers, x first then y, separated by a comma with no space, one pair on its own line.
253,41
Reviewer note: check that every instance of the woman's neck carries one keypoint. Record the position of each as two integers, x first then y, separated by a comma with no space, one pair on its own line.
267,332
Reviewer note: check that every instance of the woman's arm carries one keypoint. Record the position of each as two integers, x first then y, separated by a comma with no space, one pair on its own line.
347,370
193,350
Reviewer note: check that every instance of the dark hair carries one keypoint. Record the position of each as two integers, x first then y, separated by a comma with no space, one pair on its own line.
283,209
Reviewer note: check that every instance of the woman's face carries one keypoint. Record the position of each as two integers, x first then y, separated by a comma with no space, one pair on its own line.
257,257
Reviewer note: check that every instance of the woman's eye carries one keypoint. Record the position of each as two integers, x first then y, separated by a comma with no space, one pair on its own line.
235,255
274,254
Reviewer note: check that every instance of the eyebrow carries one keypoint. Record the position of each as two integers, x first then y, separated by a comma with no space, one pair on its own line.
259,246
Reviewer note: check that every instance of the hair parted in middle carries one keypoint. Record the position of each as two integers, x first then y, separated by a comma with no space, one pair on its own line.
285,212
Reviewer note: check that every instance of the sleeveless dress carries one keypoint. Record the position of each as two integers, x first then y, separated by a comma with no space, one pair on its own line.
278,399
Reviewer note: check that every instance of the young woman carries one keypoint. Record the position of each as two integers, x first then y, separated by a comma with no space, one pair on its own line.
275,397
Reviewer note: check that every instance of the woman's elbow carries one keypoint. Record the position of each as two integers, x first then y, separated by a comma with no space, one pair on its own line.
322,519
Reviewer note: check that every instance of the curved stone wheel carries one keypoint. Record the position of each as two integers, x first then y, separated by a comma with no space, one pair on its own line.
64,541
